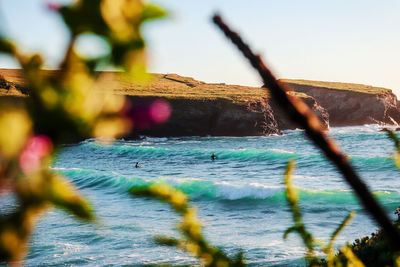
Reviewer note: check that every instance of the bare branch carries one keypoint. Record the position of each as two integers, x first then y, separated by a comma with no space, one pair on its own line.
299,112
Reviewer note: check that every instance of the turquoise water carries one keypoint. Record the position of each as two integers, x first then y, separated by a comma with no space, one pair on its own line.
239,196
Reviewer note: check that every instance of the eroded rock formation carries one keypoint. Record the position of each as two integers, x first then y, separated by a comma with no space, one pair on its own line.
354,107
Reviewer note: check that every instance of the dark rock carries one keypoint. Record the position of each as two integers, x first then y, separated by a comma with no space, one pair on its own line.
284,123
219,117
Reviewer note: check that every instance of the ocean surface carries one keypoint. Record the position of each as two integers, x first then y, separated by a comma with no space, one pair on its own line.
239,197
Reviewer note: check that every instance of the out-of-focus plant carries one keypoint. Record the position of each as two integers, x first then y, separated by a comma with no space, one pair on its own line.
371,250
392,135
300,113
374,250
299,227
308,240
193,240
64,106
331,259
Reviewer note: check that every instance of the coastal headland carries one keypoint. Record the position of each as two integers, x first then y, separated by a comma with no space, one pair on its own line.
218,109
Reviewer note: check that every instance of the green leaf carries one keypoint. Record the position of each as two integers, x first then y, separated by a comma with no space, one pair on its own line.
64,196
84,16
15,230
167,241
392,135
6,46
151,12
340,228
289,230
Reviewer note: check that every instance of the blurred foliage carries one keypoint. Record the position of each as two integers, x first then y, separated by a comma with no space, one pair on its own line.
299,227
193,240
368,251
331,259
118,22
392,135
374,250
64,107
346,258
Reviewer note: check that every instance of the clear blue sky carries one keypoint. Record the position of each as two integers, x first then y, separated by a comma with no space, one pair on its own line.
332,40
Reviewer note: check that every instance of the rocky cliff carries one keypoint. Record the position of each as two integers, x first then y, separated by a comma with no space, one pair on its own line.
352,104
219,117
198,108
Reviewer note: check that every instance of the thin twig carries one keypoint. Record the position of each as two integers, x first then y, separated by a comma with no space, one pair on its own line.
299,112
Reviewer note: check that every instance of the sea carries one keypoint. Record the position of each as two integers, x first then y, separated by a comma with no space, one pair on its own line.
239,197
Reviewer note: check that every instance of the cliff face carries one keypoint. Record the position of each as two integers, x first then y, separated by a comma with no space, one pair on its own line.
219,117
8,88
199,109
354,107
285,124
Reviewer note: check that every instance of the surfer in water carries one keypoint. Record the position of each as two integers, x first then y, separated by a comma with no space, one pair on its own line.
137,165
213,157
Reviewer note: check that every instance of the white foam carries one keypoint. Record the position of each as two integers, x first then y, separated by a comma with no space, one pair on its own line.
366,128
179,180
281,151
102,139
252,190
228,190
155,139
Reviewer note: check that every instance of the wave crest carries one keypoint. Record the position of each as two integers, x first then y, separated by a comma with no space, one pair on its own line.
199,189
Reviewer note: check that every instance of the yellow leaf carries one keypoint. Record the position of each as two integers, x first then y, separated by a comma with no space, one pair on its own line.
15,127
111,127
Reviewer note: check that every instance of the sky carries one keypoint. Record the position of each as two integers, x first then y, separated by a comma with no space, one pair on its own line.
354,41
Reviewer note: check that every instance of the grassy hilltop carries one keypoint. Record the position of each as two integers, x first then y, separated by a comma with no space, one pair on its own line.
368,89
175,86
159,85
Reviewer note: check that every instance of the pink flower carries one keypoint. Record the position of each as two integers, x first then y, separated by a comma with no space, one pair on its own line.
145,114
53,6
160,111
36,149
